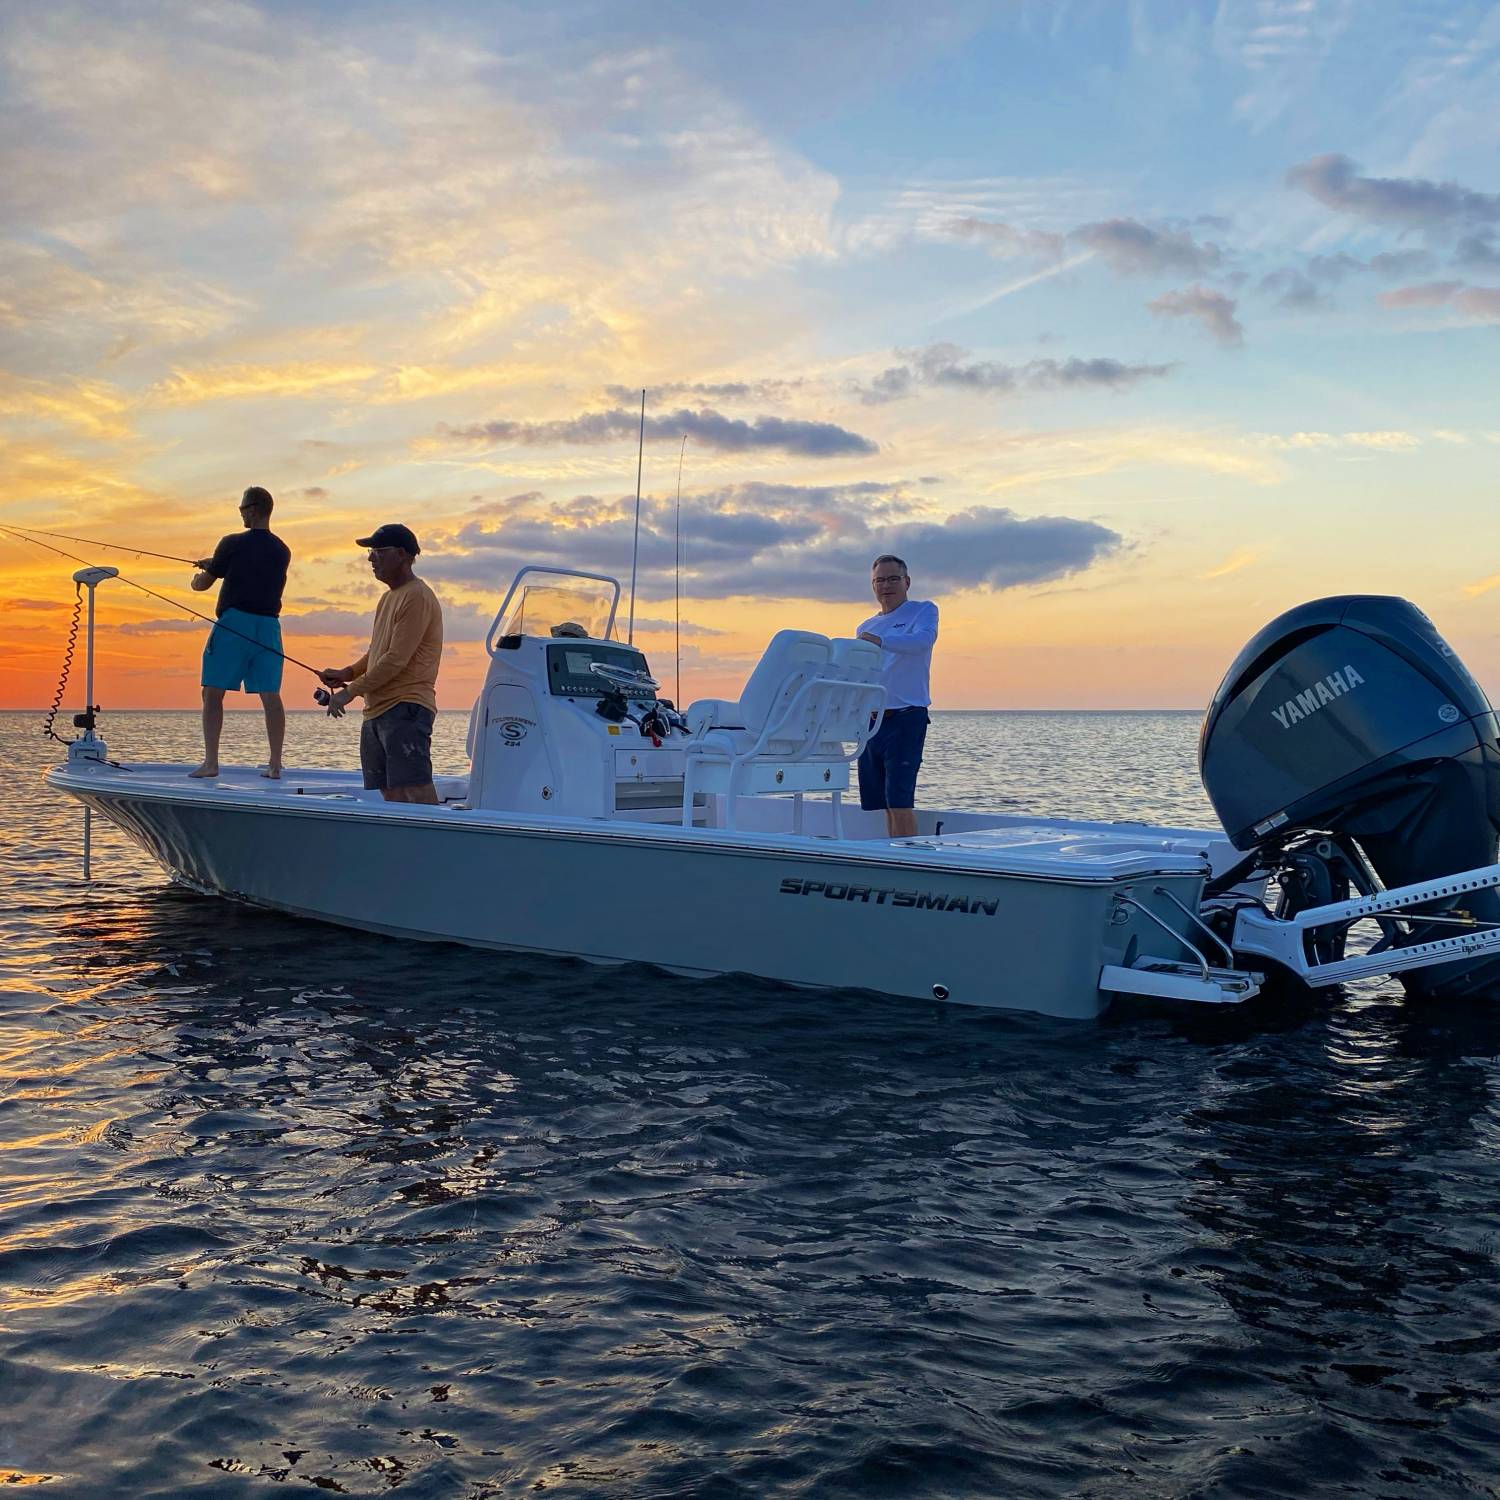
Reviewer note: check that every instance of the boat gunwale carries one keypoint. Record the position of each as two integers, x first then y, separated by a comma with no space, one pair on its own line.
893,856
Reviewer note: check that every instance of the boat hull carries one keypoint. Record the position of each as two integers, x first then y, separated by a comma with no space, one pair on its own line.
806,912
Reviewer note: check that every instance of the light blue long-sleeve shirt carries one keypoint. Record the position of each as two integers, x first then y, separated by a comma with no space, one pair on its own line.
906,636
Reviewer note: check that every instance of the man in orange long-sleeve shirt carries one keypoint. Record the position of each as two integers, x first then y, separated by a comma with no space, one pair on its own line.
397,676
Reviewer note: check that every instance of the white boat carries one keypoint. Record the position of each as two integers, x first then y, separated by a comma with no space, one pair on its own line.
596,823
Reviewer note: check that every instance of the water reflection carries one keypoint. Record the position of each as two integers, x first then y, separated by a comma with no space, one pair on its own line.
289,1203
1343,1187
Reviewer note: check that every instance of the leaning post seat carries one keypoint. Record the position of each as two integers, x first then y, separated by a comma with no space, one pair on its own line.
790,731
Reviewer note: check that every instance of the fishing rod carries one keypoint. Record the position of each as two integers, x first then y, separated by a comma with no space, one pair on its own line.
175,603
63,536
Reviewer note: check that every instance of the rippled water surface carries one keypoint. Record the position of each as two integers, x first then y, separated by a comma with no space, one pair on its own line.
284,1206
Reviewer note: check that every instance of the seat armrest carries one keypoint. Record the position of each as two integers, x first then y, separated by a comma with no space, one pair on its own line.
714,713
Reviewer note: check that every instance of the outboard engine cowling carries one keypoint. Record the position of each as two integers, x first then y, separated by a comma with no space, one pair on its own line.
1351,716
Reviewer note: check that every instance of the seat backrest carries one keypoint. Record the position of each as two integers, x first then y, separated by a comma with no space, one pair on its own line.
857,693
790,660
858,661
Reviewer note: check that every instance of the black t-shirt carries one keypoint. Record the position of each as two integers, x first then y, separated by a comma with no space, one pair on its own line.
253,565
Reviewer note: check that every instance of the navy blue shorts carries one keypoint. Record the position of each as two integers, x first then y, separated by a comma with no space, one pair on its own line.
889,764
395,748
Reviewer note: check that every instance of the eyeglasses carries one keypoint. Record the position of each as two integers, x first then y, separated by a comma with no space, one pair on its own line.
888,578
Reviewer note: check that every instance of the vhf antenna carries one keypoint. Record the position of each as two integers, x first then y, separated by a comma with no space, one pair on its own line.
635,546
677,529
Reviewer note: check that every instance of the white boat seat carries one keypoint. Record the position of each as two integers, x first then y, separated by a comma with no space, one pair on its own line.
806,712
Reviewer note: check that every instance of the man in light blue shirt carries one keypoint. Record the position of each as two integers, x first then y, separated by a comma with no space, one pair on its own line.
905,630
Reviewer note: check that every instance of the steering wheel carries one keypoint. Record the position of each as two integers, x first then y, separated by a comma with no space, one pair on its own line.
624,679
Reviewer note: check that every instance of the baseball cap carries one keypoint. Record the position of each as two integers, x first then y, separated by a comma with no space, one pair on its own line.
390,535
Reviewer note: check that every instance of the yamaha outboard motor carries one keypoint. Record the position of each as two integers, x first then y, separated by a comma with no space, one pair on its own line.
1348,732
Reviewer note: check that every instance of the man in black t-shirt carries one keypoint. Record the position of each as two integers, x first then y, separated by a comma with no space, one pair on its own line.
244,648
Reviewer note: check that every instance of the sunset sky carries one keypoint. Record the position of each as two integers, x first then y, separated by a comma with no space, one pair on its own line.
1129,325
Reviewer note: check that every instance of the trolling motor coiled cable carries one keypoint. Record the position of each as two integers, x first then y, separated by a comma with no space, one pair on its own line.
48,732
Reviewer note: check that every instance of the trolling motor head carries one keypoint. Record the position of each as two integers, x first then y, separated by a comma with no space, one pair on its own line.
1351,716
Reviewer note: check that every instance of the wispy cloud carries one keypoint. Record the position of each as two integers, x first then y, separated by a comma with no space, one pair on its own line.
1242,557
91,407
1389,440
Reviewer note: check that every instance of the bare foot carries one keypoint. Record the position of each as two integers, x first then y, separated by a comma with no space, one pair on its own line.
208,768
271,773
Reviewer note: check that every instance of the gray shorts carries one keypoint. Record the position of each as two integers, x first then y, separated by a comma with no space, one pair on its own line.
395,748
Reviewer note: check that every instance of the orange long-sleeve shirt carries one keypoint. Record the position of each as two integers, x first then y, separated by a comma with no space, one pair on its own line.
406,647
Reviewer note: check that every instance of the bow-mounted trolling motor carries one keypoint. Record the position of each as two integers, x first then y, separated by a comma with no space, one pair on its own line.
1355,759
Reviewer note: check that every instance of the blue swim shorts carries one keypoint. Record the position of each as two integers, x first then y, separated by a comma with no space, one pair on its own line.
243,650
889,764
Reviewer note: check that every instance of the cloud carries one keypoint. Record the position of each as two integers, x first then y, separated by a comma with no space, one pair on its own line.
688,627
1388,440
1127,246
1334,268
461,622
1409,202
1135,249
1477,252
1241,557
1429,294
1006,240
1295,290
790,541
1212,309
189,175
1480,304
1308,287
706,428
728,390
893,384
947,365
91,407
236,382
169,626
1397,263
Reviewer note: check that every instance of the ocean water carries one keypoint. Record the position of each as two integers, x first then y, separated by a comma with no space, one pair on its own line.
287,1207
